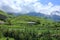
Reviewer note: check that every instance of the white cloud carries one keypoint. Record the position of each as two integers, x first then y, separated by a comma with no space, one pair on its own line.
47,9
26,6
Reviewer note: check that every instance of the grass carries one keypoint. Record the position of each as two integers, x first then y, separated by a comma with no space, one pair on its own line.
4,38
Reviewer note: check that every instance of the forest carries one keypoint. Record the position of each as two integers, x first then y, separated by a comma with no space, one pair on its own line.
25,27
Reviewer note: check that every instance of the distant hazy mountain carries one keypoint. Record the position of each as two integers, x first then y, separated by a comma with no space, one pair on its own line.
55,15
35,14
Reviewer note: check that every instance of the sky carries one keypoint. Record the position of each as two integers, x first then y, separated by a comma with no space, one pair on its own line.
55,2
26,6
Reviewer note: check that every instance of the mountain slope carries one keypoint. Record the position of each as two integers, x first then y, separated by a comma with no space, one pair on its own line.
55,15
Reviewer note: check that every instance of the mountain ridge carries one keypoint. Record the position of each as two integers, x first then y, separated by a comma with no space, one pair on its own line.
55,15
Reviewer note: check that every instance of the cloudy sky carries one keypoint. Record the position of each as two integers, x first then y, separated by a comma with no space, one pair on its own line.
26,6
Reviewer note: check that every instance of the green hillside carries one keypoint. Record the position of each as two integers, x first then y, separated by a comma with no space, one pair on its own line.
3,13
26,27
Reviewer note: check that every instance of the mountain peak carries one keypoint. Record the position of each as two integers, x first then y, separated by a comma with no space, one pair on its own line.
56,13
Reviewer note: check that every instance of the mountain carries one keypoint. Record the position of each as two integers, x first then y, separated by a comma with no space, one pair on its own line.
35,14
3,15
38,15
55,15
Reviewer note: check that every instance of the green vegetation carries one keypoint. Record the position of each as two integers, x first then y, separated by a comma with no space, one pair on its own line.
26,27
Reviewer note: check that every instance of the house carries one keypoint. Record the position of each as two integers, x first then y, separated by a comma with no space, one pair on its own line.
31,22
